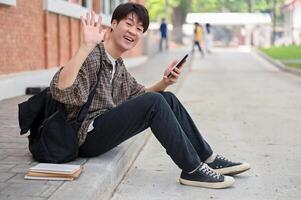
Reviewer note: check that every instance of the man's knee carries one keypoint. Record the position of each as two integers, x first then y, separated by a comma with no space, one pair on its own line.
154,97
169,97
168,93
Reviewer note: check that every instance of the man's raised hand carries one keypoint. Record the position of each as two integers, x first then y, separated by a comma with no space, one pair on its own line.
92,32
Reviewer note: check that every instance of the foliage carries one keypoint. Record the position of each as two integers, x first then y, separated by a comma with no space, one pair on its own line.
296,65
162,8
184,4
232,5
157,9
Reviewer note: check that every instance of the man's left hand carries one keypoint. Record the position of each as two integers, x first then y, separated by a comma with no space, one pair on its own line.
175,73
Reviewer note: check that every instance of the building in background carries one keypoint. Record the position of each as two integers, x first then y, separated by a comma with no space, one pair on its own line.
42,34
292,21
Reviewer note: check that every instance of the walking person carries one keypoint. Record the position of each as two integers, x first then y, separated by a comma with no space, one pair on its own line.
208,38
163,34
122,108
198,38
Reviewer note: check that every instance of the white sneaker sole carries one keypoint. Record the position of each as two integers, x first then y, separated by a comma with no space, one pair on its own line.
229,181
234,170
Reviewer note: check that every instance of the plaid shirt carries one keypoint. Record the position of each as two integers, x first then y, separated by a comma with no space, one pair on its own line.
107,96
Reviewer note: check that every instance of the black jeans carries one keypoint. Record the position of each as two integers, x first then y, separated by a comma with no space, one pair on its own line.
168,120
163,39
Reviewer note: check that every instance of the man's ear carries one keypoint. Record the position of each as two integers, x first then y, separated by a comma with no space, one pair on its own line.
113,24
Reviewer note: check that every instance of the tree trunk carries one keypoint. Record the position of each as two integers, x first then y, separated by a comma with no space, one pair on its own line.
178,19
274,22
250,6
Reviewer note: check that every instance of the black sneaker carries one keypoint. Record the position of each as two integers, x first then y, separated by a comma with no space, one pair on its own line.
204,176
224,166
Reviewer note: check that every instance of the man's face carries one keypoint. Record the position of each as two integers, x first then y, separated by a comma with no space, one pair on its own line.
127,32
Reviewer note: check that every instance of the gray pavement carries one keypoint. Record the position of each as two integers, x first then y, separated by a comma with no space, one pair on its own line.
248,110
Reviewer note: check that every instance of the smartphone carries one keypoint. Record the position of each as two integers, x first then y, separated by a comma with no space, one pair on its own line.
179,63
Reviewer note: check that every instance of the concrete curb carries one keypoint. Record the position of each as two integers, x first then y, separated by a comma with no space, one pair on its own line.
102,174
277,63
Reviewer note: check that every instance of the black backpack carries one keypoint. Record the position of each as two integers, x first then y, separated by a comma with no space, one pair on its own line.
53,138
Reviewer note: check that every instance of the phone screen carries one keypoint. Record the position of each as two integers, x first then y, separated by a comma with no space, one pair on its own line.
180,63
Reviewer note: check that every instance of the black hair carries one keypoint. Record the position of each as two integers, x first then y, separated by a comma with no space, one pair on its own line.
122,11
208,27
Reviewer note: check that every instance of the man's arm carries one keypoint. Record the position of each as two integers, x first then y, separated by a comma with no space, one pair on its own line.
157,87
91,36
70,71
166,81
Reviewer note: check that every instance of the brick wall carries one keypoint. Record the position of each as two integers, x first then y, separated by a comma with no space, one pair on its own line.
21,37
62,38
32,39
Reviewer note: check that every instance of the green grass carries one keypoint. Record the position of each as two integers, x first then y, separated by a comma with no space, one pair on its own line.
295,65
283,53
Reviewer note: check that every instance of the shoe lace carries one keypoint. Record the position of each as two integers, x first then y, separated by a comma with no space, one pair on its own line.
223,158
208,171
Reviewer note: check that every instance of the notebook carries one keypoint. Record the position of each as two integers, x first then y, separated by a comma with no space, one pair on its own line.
48,171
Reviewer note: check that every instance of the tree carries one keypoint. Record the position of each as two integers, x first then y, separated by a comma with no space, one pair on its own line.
180,8
173,10
157,9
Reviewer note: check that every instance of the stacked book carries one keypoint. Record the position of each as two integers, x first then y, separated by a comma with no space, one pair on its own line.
47,171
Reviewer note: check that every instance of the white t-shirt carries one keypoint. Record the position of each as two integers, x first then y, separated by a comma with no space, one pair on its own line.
113,62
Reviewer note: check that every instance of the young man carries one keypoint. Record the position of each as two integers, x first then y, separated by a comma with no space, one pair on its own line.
122,108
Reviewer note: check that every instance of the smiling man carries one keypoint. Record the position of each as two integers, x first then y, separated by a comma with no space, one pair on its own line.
122,108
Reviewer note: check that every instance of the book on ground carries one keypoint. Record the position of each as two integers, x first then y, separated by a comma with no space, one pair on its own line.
48,171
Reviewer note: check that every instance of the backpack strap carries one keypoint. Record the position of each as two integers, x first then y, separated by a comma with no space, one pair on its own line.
85,108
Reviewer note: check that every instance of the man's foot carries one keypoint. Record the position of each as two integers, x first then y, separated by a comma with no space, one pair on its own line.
226,167
204,176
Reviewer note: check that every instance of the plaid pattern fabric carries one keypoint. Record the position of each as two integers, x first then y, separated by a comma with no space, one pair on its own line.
107,95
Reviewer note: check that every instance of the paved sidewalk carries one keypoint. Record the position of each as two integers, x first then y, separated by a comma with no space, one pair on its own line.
100,175
248,110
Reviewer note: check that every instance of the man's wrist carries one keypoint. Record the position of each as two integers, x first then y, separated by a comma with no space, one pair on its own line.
164,82
84,49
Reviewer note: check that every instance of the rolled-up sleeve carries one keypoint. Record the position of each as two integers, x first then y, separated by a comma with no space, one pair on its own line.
77,93
136,88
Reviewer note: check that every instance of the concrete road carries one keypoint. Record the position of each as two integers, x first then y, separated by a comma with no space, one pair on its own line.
249,111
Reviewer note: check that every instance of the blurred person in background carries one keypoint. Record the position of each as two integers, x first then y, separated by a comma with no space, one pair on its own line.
163,34
198,38
208,38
